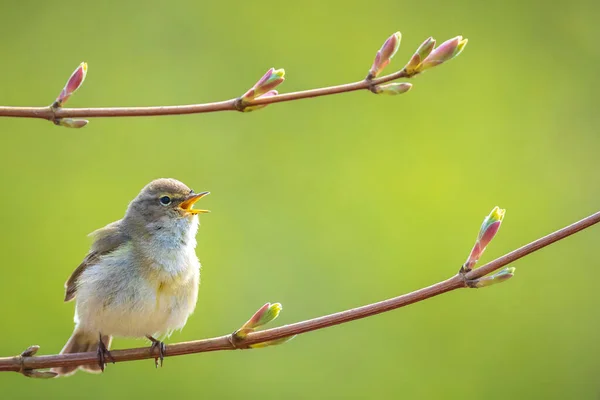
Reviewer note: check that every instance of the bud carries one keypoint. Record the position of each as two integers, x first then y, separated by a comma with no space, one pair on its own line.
74,83
259,106
393,88
444,52
270,80
422,52
493,279
263,316
488,230
490,226
30,351
266,314
272,342
32,373
385,54
71,123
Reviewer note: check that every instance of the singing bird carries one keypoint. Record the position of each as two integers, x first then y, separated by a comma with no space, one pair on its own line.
141,276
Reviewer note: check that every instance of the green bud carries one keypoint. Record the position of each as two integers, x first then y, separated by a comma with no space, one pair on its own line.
499,277
393,88
272,342
71,123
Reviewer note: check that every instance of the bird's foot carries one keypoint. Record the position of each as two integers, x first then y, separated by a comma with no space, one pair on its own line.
162,350
103,354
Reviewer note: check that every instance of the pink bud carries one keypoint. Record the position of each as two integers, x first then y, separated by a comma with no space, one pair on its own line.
426,48
74,83
422,52
489,229
269,81
489,233
259,106
254,320
444,52
385,54
265,77
263,316
390,47
269,94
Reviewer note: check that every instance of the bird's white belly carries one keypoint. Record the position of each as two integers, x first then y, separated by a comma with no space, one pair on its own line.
119,300
160,315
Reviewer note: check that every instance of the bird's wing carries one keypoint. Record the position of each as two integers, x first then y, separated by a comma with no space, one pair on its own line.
106,240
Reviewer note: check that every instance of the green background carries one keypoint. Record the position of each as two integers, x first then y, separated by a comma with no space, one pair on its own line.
322,204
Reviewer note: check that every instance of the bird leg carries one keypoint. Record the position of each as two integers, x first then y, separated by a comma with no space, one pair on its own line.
162,350
103,353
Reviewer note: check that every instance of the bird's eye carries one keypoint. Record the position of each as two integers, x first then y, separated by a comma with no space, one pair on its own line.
165,200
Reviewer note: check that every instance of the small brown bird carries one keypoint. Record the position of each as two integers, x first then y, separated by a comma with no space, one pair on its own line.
141,276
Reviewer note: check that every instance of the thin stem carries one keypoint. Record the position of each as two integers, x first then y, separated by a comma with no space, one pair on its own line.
25,364
51,114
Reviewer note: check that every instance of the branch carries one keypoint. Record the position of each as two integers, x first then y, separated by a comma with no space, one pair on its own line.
49,113
260,95
27,364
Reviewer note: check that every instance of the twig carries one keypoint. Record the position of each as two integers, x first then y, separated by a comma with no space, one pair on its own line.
27,364
49,113
258,96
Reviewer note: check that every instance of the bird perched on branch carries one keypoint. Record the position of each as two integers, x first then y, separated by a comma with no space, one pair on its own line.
141,276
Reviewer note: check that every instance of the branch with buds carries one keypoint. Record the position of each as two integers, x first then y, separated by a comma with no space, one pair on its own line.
247,336
258,96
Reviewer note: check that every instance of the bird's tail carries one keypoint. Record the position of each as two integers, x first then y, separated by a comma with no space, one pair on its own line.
81,342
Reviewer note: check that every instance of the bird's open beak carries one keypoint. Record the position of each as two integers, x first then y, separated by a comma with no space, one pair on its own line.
188,203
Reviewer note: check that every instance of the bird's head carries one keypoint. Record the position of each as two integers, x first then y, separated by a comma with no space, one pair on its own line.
164,204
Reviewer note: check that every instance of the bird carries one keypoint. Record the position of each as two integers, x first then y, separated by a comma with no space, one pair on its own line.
140,277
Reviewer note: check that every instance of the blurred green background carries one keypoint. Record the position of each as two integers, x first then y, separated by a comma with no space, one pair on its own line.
321,204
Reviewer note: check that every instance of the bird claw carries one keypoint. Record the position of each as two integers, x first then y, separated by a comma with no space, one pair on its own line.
162,350
103,354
